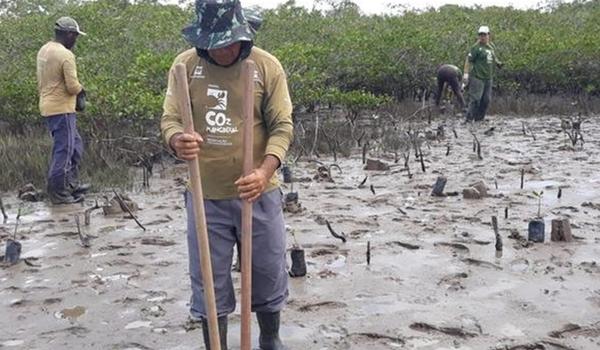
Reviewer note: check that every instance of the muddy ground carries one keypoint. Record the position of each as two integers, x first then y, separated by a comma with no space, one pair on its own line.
434,280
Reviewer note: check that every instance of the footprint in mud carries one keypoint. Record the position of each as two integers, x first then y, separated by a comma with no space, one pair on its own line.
328,251
163,263
127,301
321,252
452,331
572,329
109,229
158,296
403,245
453,281
164,220
64,234
117,246
367,337
519,265
157,241
589,267
317,245
456,248
132,346
541,345
154,311
74,330
323,305
358,233
123,262
481,263
52,301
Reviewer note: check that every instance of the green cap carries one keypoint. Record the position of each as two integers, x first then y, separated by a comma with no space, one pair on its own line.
68,24
218,23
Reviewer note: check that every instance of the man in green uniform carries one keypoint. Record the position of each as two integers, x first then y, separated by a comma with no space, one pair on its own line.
479,74
222,40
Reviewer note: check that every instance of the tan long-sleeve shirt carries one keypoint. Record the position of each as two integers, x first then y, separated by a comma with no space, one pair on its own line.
216,95
58,85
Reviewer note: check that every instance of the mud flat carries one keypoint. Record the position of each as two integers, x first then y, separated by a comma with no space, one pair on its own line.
434,280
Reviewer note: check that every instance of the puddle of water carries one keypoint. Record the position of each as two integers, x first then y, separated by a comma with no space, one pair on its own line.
138,324
70,314
511,331
14,342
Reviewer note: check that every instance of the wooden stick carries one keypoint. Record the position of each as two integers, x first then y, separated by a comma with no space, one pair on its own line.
522,177
497,233
422,160
201,232
248,114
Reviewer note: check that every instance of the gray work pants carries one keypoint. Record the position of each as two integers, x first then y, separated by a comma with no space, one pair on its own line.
269,273
480,95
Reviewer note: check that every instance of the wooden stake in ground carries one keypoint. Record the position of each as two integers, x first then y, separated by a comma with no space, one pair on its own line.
561,231
248,114
498,244
185,109
522,177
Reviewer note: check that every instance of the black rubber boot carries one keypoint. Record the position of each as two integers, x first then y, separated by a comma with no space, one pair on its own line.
222,332
269,331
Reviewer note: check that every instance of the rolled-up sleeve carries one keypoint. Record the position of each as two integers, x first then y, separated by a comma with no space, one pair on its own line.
170,122
278,117
70,75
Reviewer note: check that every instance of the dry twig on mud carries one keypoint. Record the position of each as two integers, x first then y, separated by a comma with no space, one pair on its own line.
572,128
476,145
362,183
85,240
87,213
124,206
341,237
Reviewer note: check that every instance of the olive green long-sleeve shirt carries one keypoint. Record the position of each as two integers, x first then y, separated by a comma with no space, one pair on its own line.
482,60
57,81
216,95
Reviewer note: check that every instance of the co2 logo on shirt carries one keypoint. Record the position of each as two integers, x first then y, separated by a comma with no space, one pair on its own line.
217,121
214,118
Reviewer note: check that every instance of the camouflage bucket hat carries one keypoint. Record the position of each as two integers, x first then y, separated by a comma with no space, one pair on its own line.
218,23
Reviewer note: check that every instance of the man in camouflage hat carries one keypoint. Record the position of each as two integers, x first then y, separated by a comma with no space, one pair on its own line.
221,40
59,89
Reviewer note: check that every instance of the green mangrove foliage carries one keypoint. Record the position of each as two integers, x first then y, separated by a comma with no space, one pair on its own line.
336,57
